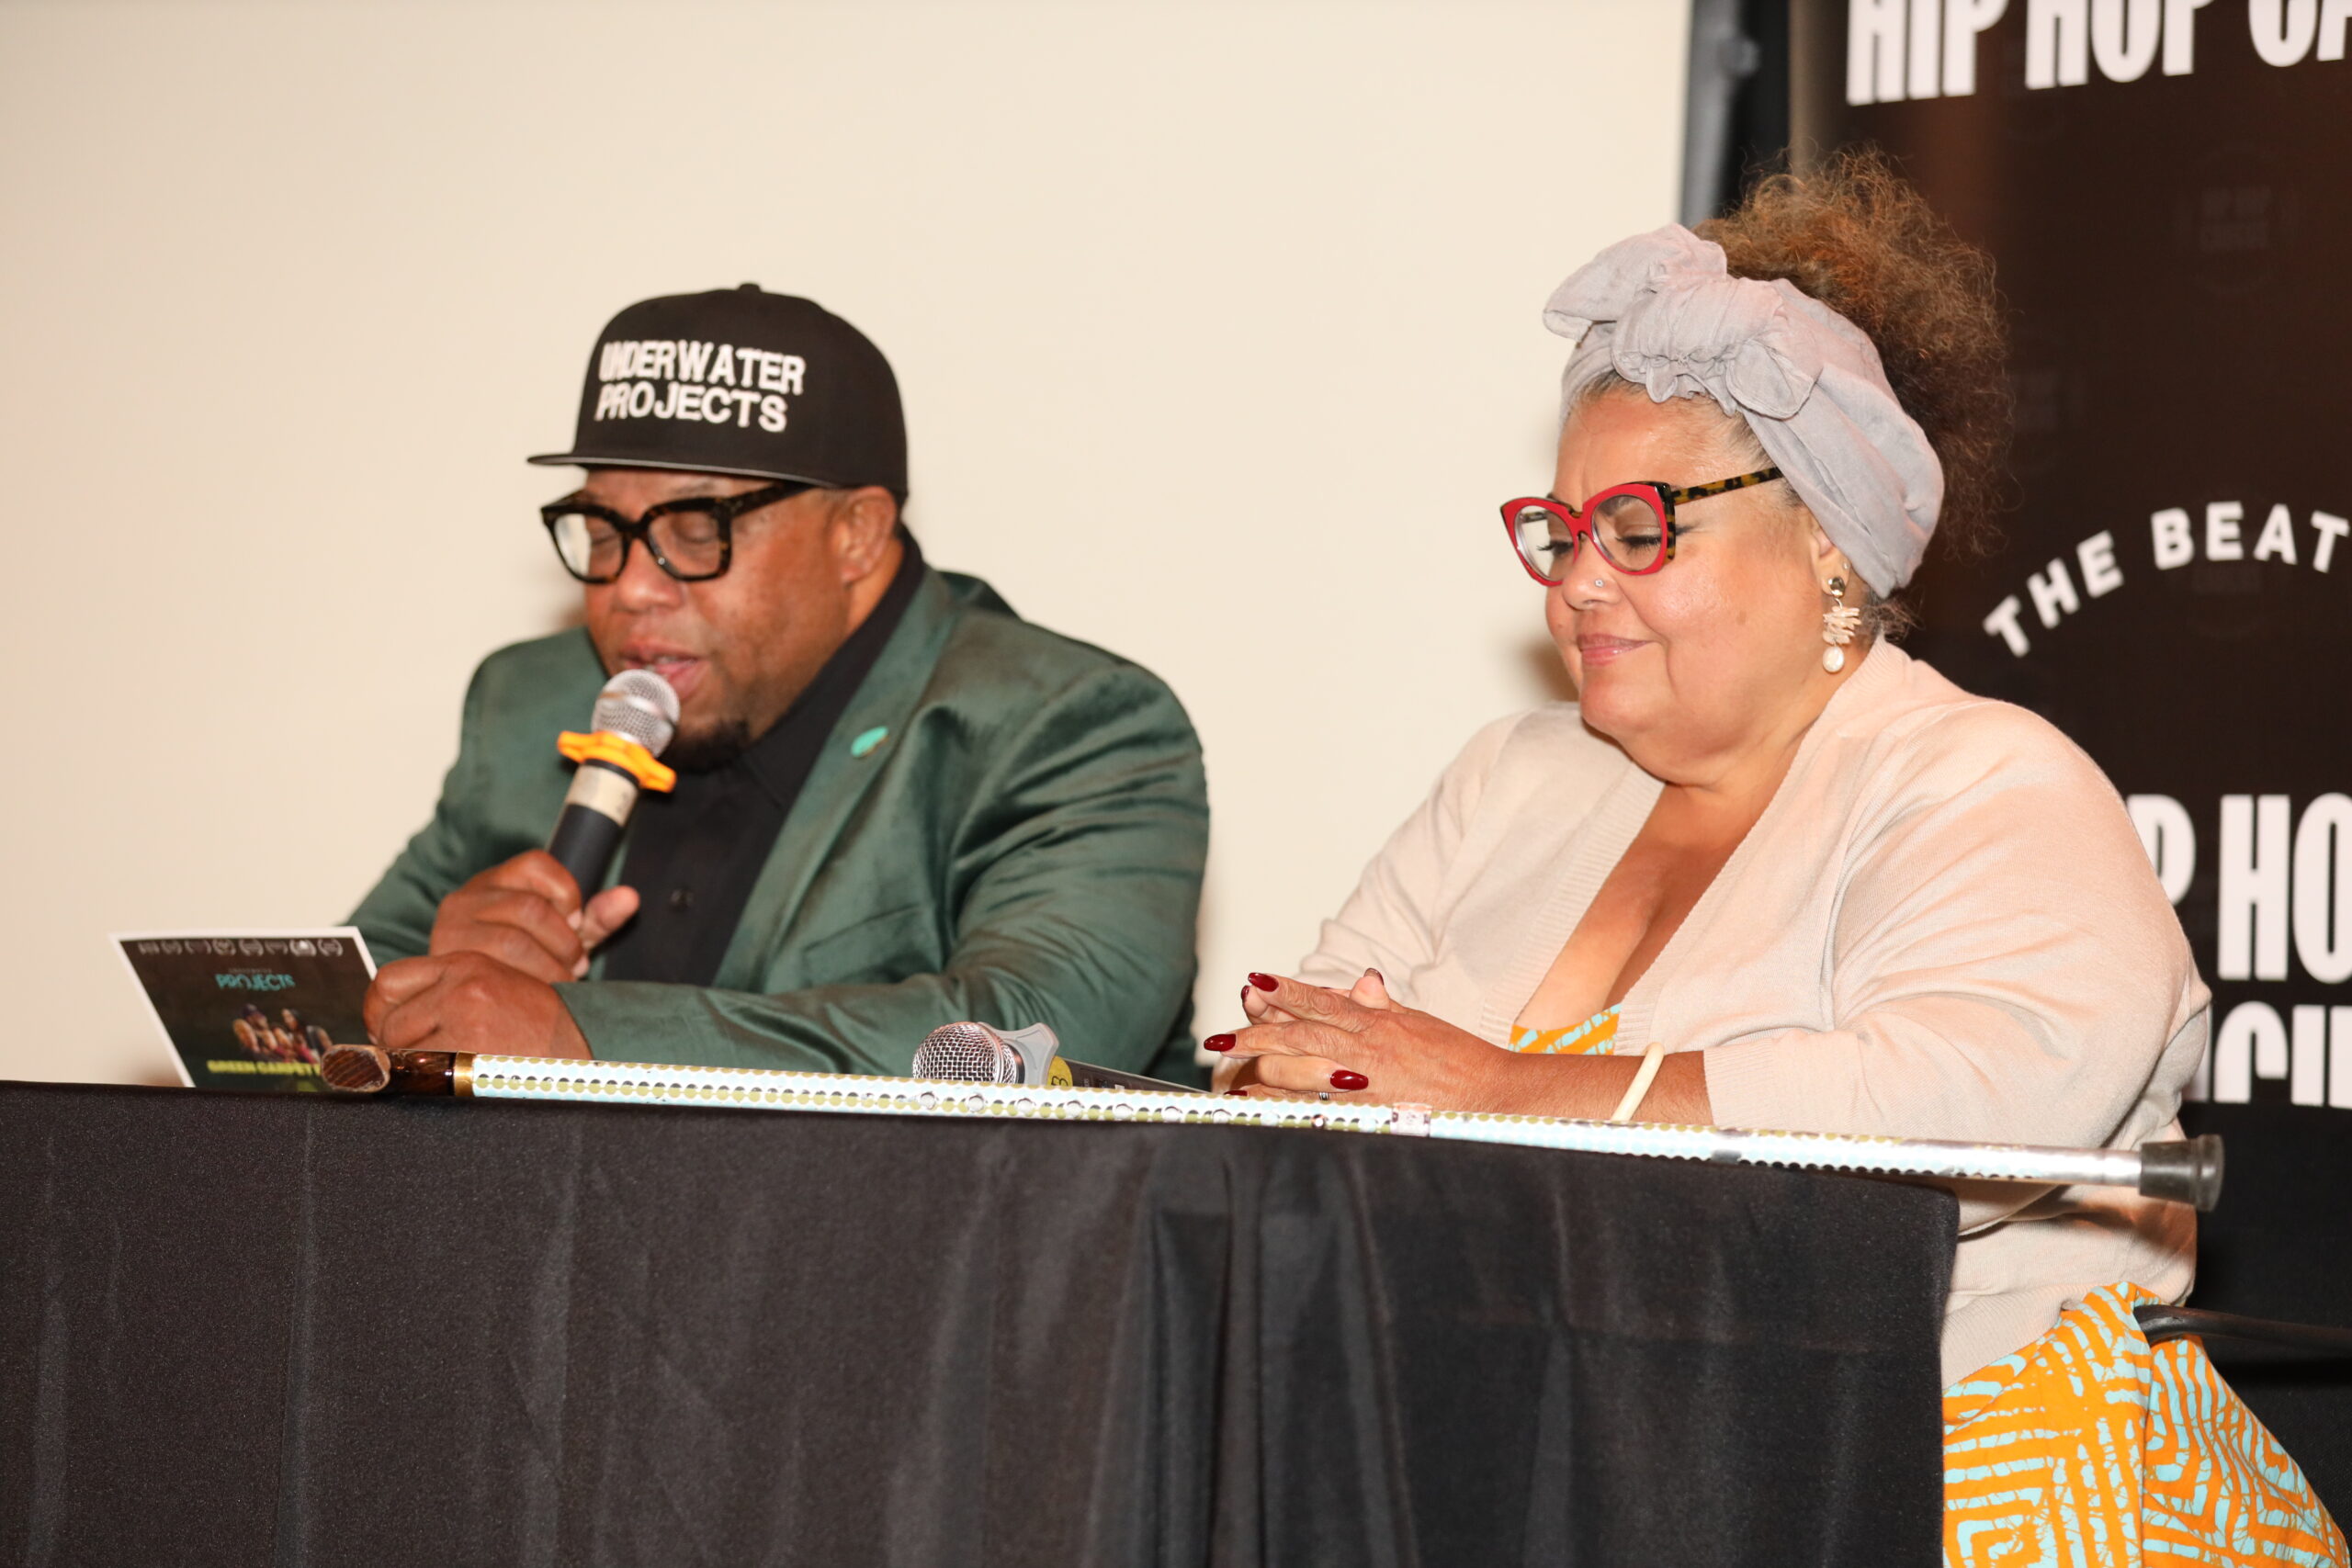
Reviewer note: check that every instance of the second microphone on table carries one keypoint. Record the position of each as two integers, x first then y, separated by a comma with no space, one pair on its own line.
975,1053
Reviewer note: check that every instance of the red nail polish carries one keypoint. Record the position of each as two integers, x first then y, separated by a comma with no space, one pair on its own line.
1237,1094
1245,995
1217,1042
1346,1079
1263,982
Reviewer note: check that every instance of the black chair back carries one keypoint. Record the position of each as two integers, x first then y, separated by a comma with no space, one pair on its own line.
2281,1246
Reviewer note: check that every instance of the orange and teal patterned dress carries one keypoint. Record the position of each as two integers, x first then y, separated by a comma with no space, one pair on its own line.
2091,1447
1596,1036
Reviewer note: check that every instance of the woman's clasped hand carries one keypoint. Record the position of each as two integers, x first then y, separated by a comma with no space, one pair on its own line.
1311,1042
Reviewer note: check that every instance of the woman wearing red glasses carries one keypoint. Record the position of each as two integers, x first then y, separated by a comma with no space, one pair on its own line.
1771,872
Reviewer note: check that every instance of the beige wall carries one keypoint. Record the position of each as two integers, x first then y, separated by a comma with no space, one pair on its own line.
1218,326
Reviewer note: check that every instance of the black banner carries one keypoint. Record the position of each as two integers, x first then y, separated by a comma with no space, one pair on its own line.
2167,187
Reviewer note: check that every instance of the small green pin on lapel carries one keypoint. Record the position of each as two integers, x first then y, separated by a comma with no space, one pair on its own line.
869,741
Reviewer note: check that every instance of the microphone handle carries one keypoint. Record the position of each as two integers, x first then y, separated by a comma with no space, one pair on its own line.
595,809
1086,1075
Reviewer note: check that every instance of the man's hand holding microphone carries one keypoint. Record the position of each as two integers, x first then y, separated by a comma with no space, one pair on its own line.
502,941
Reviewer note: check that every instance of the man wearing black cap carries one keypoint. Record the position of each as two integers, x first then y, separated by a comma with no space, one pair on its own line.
899,805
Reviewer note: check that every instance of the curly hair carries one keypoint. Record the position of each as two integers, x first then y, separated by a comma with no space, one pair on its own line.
1855,235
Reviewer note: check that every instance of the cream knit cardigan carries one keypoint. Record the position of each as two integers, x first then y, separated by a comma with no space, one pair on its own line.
1943,926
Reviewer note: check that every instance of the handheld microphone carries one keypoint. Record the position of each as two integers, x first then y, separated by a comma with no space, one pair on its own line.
973,1053
635,716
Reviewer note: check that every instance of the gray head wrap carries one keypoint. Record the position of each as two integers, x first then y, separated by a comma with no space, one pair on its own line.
1661,310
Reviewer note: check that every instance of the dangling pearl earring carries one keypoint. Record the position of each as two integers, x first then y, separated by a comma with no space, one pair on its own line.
1837,625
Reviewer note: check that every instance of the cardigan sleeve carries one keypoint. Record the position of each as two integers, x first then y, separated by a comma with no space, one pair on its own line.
1388,923
2003,965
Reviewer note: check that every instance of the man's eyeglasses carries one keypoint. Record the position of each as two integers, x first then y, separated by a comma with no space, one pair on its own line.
1630,525
692,539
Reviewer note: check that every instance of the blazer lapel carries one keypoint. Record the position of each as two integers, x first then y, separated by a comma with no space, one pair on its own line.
885,701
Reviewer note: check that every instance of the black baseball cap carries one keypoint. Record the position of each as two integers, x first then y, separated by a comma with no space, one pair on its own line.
741,381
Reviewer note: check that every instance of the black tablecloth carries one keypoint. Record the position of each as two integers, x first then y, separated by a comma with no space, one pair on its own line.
247,1330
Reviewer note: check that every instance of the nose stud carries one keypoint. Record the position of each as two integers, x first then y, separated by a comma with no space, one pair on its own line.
1599,583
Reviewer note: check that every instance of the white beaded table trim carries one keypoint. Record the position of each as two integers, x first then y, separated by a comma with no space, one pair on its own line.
752,1089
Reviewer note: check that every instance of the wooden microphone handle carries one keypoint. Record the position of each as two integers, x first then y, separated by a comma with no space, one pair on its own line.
371,1069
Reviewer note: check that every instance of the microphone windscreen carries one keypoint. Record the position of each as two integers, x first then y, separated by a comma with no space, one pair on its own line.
640,705
967,1053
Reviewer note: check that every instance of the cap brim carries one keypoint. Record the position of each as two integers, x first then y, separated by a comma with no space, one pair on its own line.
591,460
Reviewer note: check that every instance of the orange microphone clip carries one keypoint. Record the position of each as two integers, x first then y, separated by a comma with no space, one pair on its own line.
617,751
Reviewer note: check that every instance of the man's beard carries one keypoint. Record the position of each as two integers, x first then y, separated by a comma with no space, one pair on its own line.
711,749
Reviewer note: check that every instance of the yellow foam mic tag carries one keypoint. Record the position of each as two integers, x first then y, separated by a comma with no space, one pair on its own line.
619,752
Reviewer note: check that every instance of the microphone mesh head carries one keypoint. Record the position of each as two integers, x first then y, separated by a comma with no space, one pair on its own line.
967,1053
640,705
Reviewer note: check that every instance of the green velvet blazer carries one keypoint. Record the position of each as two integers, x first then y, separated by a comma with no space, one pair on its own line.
1006,826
